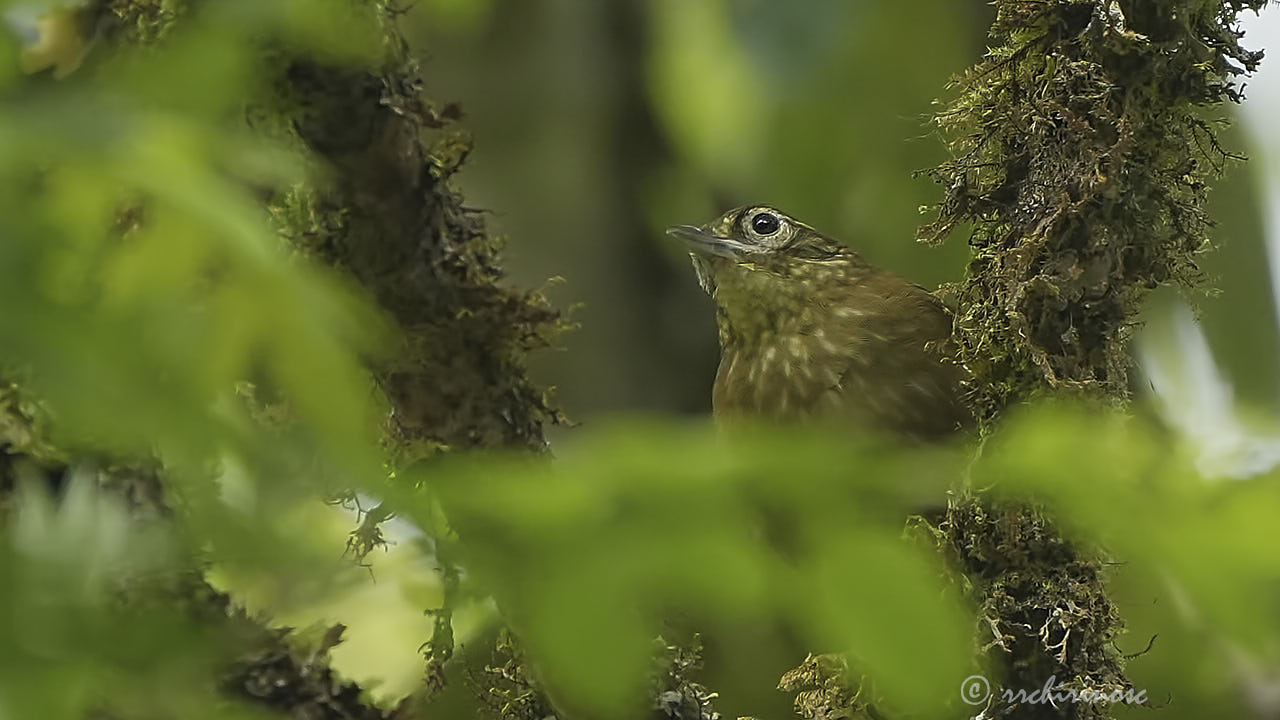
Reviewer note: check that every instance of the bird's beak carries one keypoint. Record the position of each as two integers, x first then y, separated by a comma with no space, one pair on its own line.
704,242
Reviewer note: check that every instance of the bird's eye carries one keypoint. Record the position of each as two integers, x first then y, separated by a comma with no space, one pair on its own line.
765,224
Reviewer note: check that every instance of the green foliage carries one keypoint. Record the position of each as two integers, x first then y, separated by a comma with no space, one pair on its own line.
77,639
143,285
133,230
1149,506
641,527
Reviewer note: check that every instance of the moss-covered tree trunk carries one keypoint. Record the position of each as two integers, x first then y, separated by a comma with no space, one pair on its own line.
1082,148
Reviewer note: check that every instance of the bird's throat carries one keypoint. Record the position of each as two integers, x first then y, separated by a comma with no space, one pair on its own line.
778,354
756,305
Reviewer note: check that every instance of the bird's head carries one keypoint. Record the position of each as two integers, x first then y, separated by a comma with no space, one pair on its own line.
759,256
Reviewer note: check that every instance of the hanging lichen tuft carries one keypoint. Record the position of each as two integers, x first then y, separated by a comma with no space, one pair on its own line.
1081,153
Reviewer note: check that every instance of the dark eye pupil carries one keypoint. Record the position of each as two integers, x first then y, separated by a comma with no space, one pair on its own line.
765,223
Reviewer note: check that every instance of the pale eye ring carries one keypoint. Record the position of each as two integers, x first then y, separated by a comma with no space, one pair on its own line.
765,223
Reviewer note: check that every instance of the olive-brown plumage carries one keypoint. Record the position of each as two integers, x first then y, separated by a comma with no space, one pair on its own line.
808,328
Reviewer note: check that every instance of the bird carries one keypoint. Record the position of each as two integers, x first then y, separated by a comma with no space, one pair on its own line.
809,329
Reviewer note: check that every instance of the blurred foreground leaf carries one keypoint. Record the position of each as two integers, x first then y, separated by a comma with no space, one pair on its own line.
1200,550
147,300
152,316
76,638
640,524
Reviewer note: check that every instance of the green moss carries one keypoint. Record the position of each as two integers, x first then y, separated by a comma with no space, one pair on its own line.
24,427
1043,608
143,22
1081,159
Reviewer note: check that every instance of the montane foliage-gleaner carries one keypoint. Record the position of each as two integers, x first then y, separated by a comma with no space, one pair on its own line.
808,328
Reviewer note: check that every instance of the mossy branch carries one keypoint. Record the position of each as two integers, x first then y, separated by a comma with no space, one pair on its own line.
389,217
1081,159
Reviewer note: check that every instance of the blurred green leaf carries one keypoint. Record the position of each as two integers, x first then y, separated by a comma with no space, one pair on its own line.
1204,546
147,300
882,596
74,636
150,279
638,524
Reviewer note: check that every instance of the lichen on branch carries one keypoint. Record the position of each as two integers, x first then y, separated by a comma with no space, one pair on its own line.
1081,155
